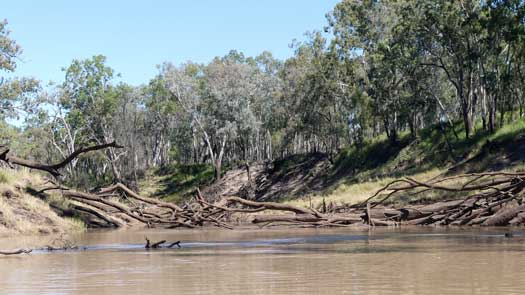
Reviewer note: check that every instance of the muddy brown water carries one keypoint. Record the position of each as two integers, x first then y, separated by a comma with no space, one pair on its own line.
280,261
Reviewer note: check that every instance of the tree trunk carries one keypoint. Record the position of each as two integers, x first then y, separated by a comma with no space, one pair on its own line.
117,177
218,164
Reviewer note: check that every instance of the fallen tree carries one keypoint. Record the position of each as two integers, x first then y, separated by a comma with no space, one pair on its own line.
491,199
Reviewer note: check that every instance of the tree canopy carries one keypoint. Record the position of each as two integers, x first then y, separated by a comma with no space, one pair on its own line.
378,67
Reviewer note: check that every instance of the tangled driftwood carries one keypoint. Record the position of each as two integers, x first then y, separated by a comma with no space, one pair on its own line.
118,205
492,199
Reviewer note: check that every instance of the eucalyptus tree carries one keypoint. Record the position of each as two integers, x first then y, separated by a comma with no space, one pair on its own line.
265,104
231,91
450,32
318,94
17,95
186,85
501,54
160,108
90,102
226,101
363,32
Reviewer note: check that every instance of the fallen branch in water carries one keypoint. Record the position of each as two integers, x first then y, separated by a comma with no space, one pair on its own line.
177,243
157,245
153,245
16,252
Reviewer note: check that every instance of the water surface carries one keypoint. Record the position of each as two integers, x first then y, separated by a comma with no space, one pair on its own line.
283,261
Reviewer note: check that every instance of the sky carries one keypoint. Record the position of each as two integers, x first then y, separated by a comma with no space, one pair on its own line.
135,36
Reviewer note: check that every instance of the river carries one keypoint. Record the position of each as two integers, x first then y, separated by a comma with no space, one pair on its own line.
275,261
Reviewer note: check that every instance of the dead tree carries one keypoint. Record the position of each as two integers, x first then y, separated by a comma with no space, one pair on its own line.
491,199
52,169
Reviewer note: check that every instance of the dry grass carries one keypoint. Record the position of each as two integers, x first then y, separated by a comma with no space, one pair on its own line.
21,213
355,193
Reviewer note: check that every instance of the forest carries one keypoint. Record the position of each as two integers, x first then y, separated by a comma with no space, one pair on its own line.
378,68
384,154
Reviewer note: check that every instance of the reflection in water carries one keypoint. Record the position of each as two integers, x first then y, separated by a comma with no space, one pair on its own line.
291,261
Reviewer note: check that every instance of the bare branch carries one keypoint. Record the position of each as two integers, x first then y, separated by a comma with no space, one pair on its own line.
53,169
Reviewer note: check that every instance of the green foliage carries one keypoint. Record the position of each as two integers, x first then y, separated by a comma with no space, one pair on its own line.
9,49
177,182
383,88
379,158
17,95
87,93
370,155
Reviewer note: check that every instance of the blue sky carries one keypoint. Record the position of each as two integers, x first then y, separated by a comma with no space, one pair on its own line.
137,35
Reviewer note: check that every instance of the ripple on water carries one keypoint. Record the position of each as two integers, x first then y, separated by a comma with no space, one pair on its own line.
281,262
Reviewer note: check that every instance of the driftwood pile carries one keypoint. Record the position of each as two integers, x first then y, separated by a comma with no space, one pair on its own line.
490,199
117,205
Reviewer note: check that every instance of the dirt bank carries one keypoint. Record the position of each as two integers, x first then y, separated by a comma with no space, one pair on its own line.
303,179
22,213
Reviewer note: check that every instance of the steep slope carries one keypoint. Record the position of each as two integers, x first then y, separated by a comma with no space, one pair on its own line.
22,213
357,171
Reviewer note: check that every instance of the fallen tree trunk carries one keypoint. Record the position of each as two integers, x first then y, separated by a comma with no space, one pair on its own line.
270,206
75,195
132,194
287,218
100,214
491,199
16,252
504,216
